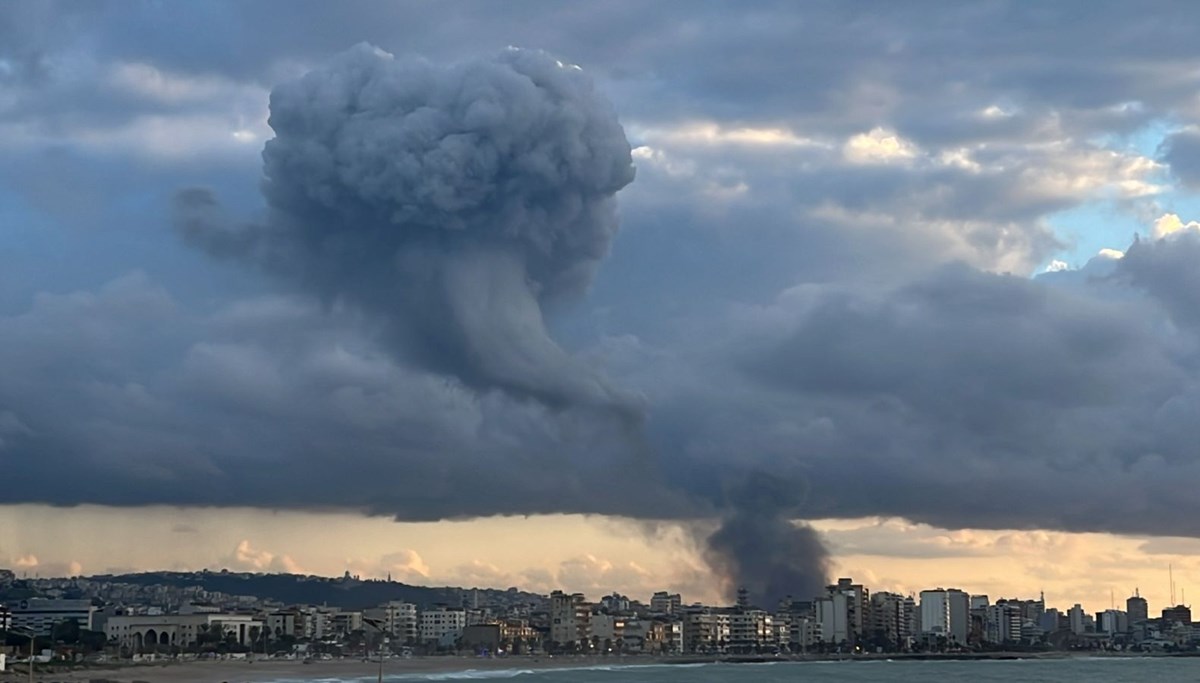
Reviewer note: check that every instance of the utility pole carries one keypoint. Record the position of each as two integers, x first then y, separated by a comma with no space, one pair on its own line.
32,640
379,628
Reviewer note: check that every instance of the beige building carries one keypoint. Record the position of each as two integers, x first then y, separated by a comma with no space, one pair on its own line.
570,620
141,632
441,623
750,630
705,630
399,619
608,631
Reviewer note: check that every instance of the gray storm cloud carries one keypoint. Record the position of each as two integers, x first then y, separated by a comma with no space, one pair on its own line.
449,203
452,208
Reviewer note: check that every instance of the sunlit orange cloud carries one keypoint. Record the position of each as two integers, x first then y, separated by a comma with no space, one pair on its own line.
595,555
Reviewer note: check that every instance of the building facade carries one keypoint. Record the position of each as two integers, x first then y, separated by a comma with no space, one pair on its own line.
41,615
892,618
144,633
705,630
946,612
1137,608
1114,621
441,623
570,620
400,619
663,602
1002,623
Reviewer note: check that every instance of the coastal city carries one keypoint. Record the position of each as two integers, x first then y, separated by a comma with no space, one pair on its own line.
146,617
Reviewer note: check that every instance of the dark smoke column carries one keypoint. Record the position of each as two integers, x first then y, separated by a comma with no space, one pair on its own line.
759,548
449,204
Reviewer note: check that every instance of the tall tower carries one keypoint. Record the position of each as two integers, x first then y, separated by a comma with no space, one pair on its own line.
1137,608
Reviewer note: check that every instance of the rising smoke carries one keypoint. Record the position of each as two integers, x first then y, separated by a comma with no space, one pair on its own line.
758,546
448,203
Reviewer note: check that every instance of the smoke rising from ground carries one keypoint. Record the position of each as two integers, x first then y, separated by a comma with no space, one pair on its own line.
448,203
759,548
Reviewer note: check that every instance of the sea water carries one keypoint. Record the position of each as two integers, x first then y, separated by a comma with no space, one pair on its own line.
1065,670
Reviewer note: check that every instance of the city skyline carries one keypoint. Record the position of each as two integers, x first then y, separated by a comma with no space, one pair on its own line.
222,613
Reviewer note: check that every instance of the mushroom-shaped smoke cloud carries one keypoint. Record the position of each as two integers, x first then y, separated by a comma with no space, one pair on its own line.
450,205
449,202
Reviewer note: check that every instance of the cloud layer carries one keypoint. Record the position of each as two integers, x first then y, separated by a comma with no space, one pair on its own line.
826,269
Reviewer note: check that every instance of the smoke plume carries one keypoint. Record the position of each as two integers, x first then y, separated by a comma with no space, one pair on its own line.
759,548
448,203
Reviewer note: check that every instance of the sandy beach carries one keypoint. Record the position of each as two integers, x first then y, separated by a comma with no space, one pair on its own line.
264,671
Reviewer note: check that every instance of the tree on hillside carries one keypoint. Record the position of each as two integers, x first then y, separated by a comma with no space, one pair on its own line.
66,632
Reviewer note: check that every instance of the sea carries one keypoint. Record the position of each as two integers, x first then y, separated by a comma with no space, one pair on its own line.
1065,670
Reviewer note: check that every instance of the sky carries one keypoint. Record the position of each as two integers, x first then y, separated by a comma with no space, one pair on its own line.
577,295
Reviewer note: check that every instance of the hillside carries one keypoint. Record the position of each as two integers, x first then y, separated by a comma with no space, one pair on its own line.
347,593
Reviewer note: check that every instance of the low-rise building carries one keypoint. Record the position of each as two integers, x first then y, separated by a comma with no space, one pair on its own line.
663,602
608,631
399,619
705,630
142,633
285,623
40,615
750,630
440,622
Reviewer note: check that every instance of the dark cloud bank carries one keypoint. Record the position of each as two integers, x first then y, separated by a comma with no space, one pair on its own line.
426,221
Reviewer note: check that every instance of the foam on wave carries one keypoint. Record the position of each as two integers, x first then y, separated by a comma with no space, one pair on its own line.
485,674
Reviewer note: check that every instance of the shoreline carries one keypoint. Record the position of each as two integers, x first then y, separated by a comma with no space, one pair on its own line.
271,670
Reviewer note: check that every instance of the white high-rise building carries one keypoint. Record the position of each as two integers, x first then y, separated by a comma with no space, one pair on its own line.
946,612
935,612
843,612
833,614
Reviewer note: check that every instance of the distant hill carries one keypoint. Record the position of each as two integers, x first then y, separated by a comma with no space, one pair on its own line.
347,593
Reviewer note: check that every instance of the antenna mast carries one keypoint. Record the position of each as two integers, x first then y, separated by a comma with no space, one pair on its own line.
1171,578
